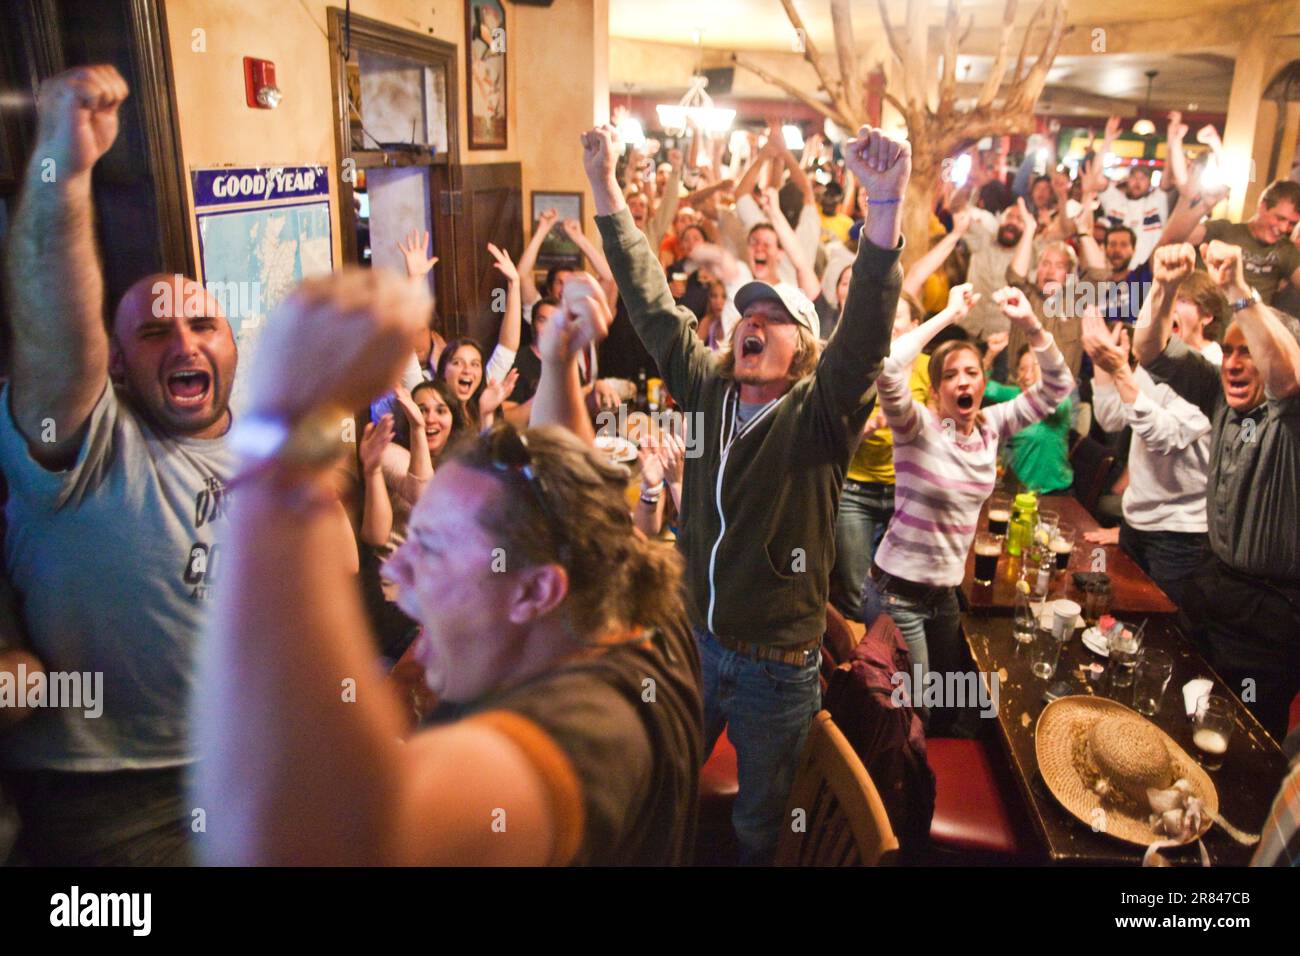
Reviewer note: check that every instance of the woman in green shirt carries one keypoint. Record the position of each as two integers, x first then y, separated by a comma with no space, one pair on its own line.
1039,455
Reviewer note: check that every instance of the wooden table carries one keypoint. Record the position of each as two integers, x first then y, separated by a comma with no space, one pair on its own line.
1132,591
1247,782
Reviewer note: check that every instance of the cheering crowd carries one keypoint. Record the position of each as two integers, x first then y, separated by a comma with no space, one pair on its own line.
449,638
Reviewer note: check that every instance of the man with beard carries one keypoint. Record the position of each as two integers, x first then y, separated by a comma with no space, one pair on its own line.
992,242
1243,603
114,490
777,427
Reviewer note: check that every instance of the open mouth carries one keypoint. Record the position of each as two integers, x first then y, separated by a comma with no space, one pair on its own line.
464,385
1238,387
965,402
751,345
433,432
189,387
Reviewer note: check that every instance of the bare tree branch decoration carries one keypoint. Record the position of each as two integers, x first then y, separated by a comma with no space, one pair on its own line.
1003,106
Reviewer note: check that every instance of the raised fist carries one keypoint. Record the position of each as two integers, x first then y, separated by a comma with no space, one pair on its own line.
1177,128
1223,263
353,329
881,164
584,318
961,298
1016,307
600,151
1172,264
77,117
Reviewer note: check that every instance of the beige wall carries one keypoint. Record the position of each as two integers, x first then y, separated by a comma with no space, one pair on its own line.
560,49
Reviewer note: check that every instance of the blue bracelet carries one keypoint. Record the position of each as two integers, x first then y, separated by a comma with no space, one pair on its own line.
884,202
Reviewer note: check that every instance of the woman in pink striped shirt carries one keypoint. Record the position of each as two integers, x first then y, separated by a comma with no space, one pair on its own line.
945,459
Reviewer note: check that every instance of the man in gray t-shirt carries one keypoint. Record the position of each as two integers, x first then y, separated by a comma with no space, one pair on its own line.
114,489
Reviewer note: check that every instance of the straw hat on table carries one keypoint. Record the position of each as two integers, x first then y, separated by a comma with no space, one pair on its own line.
1099,758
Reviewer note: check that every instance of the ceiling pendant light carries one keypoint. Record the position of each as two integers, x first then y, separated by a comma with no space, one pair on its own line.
1144,126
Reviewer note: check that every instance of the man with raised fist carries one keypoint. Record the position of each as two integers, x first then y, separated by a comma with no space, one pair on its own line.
111,441
778,424
1243,603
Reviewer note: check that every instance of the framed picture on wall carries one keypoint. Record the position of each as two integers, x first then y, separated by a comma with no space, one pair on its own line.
557,248
485,68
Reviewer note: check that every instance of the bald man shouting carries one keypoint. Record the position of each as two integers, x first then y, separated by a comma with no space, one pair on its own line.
112,443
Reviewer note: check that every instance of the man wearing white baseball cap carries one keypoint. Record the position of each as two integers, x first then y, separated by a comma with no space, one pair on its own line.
778,419
795,303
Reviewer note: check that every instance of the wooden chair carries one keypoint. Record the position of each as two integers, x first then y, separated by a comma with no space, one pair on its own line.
843,819
1091,462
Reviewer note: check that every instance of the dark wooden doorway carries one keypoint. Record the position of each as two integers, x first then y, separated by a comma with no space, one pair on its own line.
487,207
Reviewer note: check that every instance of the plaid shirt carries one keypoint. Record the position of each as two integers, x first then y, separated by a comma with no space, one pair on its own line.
1279,844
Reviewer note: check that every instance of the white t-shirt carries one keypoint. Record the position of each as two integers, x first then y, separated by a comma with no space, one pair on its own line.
1145,216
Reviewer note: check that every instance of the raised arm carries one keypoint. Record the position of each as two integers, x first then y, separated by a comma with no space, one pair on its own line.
573,229
1163,430
377,513
666,330
749,179
896,400
1042,398
1091,256
928,264
1177,165
666,210
584,320
1273,348
1170,265
1022,261
420,468
528,261
852,358
512,321
1185,222
56,290
797,174
803,270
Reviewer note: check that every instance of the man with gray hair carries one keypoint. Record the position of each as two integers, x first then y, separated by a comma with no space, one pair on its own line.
1244,601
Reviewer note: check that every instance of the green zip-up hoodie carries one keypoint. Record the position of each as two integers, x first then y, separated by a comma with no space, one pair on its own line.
759,501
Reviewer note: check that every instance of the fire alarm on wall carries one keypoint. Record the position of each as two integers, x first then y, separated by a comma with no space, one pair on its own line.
260,90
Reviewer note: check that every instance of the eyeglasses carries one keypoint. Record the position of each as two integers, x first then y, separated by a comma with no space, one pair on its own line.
507,449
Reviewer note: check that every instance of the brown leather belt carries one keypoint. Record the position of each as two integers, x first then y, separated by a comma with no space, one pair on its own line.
796,656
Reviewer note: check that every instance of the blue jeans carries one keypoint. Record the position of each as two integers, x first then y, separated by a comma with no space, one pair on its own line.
1170,557
932,628
766,709
865,510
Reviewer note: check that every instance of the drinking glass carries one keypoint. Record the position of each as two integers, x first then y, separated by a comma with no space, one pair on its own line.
988,547
1024,621
1124,647
1212,729
1045,652
1151,677
1062,546
999,514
